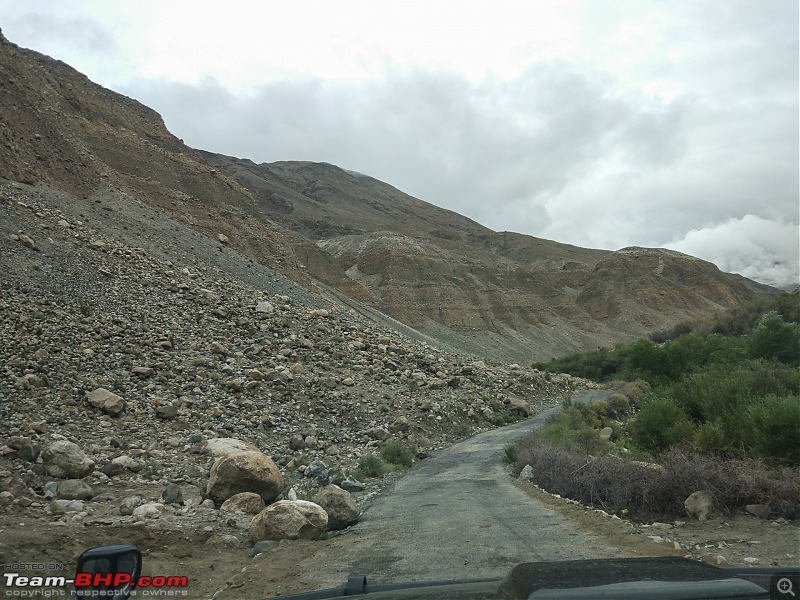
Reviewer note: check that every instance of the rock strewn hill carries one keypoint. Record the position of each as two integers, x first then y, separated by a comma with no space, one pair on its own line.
196,342
193,348
498,295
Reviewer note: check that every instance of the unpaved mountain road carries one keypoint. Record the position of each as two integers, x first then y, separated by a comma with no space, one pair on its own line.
458,516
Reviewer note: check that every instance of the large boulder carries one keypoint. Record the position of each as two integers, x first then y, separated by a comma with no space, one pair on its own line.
66,460
340,506
699,505
244,472
289,520
517,404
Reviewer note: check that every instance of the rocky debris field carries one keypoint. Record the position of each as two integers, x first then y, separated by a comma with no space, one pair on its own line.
126,374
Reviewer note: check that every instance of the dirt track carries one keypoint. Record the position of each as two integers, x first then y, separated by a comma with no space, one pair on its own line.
458,516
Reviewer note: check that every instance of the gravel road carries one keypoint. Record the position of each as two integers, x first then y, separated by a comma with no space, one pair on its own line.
461,516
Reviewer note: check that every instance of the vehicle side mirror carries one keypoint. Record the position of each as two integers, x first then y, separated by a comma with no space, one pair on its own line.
108,571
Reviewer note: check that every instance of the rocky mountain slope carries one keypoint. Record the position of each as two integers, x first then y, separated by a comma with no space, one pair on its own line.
499,294
143,349
443,276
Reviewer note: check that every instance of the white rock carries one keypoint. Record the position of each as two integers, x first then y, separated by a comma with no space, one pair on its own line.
151,510
227,446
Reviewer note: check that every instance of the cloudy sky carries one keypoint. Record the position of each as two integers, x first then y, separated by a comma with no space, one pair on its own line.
601,123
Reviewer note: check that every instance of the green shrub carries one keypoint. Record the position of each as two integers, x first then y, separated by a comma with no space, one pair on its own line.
510,452
397,453
559,433
600,408
618,406
775,429
589,441
709,438
371,465
775,339
504,417
616,431
462,429
660,425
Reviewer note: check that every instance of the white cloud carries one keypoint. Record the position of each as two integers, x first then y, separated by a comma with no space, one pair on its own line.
764,250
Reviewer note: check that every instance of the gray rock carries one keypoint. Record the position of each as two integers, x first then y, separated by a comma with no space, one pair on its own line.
762,511
129,504
111,469
338,503
699,505
166,411
332,450
50,490
128,463
172,494
244,472
262,547
62,506
377,433
151,510
66,460
28,451
74,489
289,520
296,442
526,474
318,471
223,540
227,446
109,402
400,424
517,404
351,484
265,307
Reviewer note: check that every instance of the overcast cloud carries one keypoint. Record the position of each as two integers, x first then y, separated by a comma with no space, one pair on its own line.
598,123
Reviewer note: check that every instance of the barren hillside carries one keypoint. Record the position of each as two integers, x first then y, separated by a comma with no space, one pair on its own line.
385,254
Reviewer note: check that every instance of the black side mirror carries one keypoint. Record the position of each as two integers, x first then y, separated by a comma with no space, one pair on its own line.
108,571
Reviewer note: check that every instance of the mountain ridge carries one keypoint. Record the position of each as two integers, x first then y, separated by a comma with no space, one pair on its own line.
501,295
